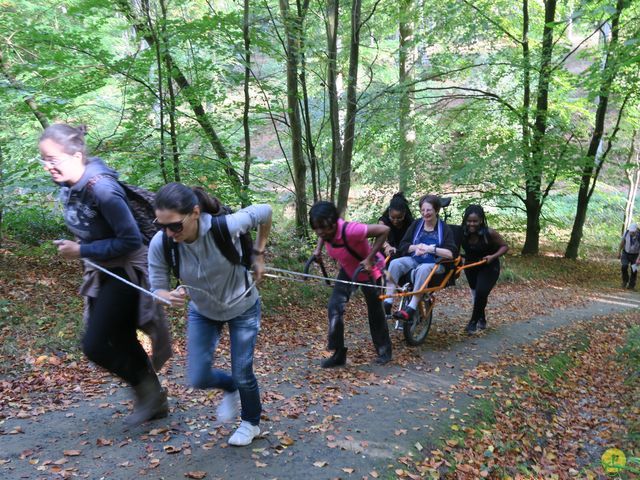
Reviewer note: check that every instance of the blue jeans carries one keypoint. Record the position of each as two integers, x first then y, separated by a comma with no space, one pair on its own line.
203,335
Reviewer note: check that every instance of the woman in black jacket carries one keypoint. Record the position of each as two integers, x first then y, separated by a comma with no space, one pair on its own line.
398,218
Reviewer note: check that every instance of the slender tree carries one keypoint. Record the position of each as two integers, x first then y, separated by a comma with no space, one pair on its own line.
534,164
246,37
593,161
187,90
406,64
293,26
344,173
632,172
333,15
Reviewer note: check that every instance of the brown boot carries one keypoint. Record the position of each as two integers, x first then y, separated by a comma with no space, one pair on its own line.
151,402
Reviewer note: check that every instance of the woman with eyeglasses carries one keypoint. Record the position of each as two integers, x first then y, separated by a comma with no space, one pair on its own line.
398,218
97,213
218,295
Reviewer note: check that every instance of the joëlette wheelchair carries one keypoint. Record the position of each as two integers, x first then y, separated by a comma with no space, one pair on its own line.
415,331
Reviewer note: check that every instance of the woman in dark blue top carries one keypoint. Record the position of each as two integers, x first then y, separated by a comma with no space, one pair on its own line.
97,213
480,242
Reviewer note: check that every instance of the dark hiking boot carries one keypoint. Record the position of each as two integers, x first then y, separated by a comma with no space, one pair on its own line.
482,323
383,359
150,404
338,359
472,327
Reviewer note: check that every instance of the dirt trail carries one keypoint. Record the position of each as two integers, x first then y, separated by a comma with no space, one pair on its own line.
362,428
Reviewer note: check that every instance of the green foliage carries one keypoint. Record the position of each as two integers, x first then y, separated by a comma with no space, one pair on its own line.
33,225
629,354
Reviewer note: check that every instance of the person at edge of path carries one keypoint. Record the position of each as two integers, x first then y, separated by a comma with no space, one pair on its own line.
350,253
97,213
628,250
480,242
220,293
427,239
398,218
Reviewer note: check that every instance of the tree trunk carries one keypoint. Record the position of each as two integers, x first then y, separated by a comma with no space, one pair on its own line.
29,100
247,103
334,109
526,84
591,170
407,59
175,152
534,162
159,62
306,112
194,101
633,177
292,29
350,119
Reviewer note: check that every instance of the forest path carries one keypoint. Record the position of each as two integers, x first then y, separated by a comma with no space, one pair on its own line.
347,430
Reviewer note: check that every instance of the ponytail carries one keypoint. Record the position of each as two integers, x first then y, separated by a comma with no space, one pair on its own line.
182,199
208,203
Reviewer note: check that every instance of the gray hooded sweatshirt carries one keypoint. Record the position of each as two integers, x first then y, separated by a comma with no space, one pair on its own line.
220,291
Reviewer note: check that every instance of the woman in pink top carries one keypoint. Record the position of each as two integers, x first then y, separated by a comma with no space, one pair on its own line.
347,243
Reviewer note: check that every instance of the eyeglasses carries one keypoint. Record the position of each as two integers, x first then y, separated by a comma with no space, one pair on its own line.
51,163
175,227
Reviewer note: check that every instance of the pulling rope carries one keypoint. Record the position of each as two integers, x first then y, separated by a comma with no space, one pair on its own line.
124,280
317,277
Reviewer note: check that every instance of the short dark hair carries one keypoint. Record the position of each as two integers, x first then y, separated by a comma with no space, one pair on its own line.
323,213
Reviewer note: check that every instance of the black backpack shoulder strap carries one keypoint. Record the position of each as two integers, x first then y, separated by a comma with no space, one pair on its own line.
222,237
353,253
171,255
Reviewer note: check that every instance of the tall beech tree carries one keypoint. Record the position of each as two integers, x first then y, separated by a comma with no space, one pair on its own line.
595,156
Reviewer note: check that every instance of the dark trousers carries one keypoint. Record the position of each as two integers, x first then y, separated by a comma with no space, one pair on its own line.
377,322
627,260
110,338
482,280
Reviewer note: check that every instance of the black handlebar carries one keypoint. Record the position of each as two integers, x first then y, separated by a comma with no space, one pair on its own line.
313,259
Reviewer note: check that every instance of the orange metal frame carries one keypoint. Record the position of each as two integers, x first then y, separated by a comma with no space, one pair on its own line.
423,289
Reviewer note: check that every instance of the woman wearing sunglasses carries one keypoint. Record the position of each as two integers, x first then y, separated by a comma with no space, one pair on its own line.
218,294
97,213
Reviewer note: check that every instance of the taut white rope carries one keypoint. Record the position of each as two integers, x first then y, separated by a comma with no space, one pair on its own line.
318,277
123,280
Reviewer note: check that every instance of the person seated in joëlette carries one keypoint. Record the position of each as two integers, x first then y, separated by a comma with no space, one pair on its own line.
427,240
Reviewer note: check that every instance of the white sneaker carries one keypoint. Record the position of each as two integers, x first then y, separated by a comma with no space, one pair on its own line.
229,407
244,435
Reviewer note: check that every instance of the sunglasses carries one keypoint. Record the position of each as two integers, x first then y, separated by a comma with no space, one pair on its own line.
175,227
